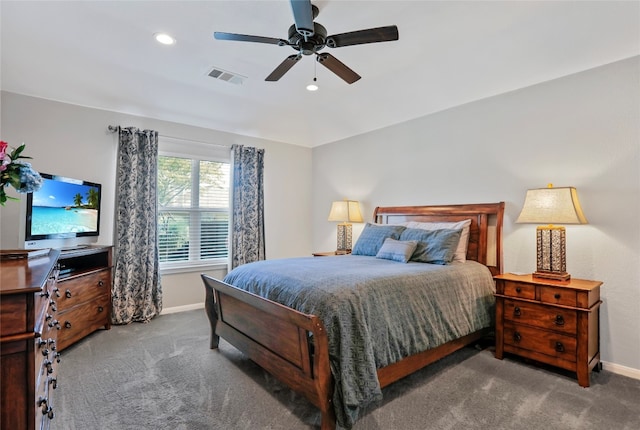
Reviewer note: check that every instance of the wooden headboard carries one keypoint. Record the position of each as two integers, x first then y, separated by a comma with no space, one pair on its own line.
485,233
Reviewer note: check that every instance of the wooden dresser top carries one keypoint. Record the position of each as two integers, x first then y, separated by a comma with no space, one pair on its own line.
23,275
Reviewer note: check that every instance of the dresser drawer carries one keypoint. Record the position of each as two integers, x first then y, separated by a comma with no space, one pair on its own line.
13,318
548,317
46,382
558,296
74,291
43,403
81,320
542,341
517,289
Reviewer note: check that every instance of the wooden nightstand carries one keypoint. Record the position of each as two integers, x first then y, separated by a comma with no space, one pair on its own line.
553,322
327,254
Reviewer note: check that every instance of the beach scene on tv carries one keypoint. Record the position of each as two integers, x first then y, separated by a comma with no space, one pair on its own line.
64,207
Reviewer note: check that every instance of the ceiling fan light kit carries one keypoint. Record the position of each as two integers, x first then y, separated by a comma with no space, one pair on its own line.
309,37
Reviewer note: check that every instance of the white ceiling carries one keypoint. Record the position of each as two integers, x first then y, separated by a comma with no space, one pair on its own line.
102,54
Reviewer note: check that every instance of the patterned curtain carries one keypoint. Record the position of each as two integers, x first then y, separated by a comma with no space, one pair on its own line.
137,293
247,231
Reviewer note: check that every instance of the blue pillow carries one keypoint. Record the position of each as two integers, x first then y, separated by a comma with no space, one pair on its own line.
434,246
397,250
373,236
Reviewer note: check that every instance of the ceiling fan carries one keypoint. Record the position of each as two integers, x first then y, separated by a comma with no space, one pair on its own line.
308,37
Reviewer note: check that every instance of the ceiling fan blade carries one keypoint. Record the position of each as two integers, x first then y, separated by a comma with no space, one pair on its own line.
284,67
303,17
371,35
338,67
247,38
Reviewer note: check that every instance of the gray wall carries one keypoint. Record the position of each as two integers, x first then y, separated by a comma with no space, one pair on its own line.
73,141
581,130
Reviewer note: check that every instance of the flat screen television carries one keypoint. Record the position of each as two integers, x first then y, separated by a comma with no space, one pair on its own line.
62,208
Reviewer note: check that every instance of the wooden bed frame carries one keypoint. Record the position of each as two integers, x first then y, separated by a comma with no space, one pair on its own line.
277,338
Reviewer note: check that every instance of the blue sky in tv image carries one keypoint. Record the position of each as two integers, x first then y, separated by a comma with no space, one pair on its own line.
56,192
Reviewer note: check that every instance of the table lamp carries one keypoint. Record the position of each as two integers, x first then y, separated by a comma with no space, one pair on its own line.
551,206
345,212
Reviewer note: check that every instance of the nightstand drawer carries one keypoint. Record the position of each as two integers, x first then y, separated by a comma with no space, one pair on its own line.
517,289
541,341
558,296
558,319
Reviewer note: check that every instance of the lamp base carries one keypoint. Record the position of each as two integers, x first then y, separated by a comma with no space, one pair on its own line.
344,239
551,253
558,276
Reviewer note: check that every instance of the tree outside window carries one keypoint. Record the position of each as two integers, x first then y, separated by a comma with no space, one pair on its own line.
193,218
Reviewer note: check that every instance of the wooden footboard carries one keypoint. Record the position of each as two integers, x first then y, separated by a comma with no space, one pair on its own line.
290,345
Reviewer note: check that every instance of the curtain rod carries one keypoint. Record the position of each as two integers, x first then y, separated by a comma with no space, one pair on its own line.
116,128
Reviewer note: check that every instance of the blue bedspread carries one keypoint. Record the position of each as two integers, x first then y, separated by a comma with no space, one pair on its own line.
376,311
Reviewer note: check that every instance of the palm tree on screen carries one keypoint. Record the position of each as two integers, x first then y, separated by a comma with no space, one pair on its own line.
92,198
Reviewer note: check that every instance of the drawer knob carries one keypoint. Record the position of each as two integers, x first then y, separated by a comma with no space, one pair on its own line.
56,290
100,309
556,296
54,382
559,320
67,324
100,283
518,290
42,402
516,311
516,336
67,294
559,347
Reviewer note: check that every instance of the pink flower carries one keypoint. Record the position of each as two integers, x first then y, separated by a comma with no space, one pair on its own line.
3,154
3,149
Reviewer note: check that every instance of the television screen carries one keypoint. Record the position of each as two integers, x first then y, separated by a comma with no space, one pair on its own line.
63,208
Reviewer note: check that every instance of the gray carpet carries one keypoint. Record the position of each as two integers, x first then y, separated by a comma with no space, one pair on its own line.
162,375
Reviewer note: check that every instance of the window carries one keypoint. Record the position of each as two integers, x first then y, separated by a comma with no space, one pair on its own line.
193,216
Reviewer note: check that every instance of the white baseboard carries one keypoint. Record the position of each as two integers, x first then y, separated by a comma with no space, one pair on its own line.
621,370
184,308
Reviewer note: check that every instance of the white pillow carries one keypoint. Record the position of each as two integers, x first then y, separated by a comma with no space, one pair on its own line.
461,250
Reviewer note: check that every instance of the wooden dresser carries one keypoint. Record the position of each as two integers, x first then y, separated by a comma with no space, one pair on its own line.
29,325
85,287
553,322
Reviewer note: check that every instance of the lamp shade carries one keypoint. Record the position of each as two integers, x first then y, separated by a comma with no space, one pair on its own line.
552,206
345,211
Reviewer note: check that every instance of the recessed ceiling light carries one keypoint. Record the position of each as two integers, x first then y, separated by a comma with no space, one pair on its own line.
164,38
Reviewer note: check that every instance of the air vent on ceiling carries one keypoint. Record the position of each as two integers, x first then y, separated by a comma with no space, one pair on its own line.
226,76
